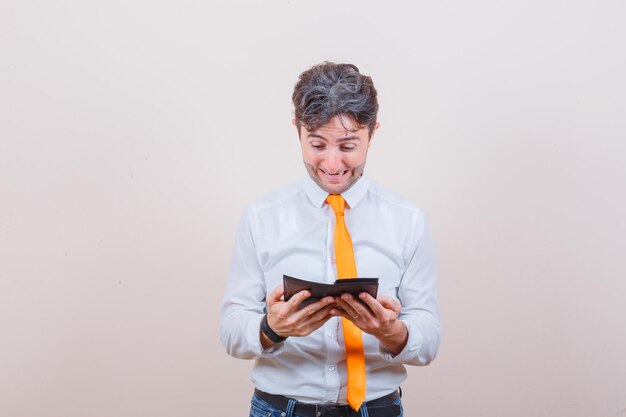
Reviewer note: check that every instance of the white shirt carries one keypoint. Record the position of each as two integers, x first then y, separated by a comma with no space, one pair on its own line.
290,231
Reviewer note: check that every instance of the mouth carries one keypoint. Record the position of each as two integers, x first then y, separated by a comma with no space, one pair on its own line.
334,177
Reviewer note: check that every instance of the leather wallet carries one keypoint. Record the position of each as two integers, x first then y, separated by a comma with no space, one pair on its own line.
319,290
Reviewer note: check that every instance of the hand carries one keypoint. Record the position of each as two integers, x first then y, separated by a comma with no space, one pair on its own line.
286,319
378,317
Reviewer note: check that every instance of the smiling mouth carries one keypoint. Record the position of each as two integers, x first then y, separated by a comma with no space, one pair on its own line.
336,178
338,174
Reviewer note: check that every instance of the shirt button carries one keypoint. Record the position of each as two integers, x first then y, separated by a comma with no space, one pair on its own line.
330,335
331,368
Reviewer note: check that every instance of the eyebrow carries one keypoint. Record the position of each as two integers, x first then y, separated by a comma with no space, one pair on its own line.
344,139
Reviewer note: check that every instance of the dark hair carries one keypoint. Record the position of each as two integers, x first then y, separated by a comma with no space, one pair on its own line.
327,90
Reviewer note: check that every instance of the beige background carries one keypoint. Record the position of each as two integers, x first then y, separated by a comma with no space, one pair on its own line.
133,133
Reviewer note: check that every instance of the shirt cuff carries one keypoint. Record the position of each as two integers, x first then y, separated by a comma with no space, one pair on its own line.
254,339
410,349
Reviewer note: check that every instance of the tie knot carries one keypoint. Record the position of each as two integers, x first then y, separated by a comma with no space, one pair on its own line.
337,202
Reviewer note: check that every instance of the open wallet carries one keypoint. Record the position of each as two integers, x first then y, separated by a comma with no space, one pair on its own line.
319,290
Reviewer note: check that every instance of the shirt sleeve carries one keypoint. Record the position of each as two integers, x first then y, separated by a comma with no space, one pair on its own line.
417,293
243,305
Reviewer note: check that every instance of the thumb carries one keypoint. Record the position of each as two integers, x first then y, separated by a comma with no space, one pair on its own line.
275,294
390,303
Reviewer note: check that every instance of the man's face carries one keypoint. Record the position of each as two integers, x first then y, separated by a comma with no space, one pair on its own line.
334,155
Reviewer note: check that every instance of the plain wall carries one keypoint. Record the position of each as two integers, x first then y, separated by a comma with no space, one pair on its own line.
133,134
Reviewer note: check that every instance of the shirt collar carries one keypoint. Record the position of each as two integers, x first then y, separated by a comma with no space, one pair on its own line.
352,196
357,191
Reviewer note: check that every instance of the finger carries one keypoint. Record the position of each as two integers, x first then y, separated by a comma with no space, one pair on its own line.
313,308
321,314
358,307
375,306
275,294
360,321
314,321
351,306
319,323
390,303
346,307
339,313
294,302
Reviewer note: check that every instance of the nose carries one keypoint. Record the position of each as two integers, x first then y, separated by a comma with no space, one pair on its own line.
333,161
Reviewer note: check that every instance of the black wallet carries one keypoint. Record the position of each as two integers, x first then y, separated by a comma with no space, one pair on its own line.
319,290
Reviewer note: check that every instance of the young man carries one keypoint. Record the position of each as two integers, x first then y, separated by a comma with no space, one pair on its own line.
338,356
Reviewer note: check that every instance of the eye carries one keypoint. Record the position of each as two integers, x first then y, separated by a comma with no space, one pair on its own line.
348,147
317,145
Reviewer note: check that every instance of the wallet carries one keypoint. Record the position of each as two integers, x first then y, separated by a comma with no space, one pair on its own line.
319,290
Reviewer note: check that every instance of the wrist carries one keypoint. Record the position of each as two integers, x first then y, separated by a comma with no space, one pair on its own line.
269,333
396,340
390,332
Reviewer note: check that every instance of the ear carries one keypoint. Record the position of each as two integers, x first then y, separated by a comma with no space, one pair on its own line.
293,122
372,134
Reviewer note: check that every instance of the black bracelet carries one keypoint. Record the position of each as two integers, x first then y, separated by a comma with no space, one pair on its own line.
265,328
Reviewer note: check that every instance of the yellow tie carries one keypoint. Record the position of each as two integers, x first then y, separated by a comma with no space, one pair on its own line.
346,268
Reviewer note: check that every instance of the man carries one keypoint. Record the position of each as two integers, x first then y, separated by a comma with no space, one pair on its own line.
338,356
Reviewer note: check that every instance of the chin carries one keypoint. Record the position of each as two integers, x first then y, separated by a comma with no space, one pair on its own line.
330,189
335,188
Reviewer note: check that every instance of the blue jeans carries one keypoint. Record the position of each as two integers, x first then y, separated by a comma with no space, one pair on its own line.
260,408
